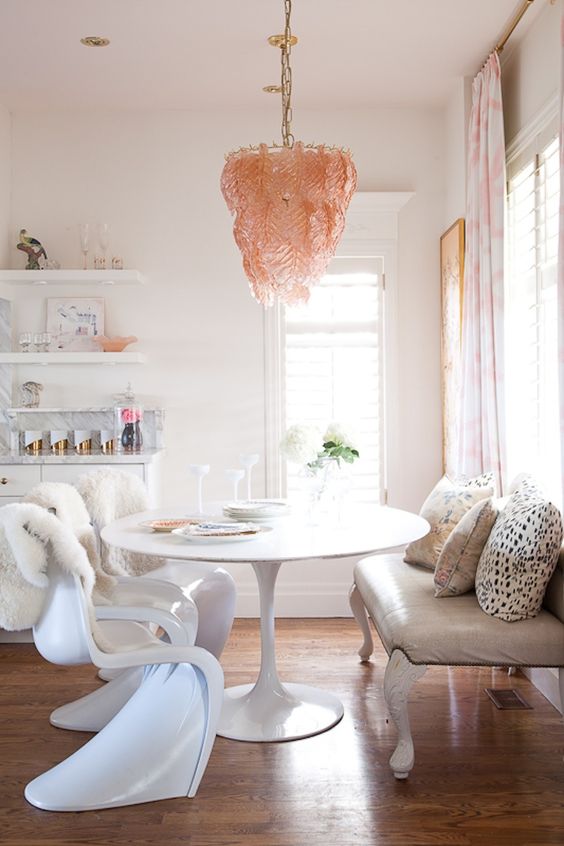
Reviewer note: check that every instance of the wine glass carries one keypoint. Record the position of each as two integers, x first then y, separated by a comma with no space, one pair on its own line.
248,461
25,341
41,341
84,233
199,471
104,242
235,476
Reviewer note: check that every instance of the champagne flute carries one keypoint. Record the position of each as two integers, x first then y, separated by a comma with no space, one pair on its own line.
84,232
235,476
248,461
199,471
104,241
25,341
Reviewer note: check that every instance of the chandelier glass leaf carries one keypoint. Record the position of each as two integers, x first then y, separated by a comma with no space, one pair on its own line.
289,203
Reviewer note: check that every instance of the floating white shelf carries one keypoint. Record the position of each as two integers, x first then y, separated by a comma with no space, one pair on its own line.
71,277
72,358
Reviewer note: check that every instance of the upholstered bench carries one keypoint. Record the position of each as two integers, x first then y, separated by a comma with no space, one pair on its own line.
417,629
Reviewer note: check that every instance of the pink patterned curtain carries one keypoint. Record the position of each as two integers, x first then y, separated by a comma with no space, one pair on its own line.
560,280
482,429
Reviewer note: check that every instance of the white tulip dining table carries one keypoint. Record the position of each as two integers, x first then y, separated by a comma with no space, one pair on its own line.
269,709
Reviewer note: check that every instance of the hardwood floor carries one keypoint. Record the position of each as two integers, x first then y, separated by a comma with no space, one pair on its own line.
481,776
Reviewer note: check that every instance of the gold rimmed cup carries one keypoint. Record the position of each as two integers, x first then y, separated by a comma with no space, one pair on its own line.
59,441
107,441
82,441
33,442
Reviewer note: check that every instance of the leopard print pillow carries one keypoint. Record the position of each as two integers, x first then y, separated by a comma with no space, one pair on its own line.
519,556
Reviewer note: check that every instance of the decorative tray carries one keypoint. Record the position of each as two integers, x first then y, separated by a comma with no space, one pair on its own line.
169,525
221,532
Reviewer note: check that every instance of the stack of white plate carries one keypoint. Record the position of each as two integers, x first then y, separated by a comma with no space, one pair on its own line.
256,509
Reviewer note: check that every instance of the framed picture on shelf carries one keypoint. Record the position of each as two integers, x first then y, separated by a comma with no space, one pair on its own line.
74,323
452,282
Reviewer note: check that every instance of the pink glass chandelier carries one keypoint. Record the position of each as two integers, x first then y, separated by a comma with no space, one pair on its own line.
289,202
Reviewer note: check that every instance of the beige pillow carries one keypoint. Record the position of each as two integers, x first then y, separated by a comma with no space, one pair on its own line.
445,506
455,572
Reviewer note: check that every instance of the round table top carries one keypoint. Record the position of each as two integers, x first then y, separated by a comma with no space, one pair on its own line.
369,529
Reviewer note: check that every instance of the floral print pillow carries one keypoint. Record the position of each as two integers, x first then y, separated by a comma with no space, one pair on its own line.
445,506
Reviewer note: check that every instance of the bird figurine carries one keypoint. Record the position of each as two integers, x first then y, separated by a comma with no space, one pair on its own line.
33,248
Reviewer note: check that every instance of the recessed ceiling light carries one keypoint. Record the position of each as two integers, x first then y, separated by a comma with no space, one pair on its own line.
95,41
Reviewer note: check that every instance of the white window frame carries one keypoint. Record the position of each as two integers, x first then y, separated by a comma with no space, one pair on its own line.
371,231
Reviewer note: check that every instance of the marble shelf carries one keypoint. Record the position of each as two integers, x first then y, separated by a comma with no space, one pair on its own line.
91,418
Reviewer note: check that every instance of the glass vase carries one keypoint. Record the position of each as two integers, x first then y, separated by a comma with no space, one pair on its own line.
129,428
325,484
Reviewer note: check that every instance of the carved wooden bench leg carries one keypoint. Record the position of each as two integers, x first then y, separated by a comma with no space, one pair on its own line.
399,676
359,610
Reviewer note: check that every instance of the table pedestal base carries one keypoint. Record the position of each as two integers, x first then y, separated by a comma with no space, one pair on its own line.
295,710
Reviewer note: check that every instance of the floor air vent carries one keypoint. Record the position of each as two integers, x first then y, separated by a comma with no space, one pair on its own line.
507,699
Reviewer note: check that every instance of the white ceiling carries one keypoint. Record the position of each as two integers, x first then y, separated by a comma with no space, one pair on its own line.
178,54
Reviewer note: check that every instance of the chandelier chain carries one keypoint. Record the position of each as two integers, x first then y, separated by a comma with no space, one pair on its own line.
286,78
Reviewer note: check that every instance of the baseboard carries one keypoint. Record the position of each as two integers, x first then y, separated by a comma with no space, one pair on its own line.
24,636
546,681
300,599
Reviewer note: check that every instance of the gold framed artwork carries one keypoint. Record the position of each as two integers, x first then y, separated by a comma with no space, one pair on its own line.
452,282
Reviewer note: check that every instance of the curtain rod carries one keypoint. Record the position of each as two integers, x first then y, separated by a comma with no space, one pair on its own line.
509,31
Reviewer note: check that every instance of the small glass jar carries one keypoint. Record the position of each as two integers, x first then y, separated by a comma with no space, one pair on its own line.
129,427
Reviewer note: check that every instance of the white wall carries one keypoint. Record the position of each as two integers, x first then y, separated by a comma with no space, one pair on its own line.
531,70
155,178
457,114
5,182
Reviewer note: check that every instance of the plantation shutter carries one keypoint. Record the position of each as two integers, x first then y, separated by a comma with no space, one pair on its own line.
532,357
334,369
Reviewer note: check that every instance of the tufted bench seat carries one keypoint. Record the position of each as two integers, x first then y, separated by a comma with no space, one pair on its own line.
416,630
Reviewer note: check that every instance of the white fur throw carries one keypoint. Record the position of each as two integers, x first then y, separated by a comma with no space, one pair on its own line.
69,507
26,531
110,495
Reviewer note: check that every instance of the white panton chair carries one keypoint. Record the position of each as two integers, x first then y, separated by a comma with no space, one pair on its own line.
111,495
157,744
160,603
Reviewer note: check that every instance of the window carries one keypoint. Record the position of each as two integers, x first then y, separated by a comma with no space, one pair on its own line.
332,364
337,359
531,313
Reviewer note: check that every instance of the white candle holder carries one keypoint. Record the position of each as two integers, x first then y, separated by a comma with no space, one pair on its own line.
248,461
235,476
199,471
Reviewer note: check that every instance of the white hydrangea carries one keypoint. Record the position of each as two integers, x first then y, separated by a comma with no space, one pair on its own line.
301,444
340,435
